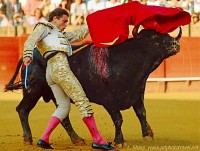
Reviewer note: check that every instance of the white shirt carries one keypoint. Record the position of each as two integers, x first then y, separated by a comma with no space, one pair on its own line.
109,4
78,9
93,6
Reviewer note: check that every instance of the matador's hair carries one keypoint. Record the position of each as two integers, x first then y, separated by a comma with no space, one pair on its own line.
58,12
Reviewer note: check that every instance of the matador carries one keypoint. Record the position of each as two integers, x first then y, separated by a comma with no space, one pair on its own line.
53,44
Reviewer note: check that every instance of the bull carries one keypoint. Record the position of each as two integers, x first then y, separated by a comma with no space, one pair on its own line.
119,86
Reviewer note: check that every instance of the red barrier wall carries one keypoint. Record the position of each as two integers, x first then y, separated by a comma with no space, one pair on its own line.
9,55
184,64
187,62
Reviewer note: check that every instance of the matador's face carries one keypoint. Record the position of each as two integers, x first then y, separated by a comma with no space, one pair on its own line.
61,23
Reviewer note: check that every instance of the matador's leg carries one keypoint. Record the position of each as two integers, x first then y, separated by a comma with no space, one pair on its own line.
62,75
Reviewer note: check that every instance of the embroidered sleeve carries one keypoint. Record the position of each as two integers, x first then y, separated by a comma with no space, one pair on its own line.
77,35
39,32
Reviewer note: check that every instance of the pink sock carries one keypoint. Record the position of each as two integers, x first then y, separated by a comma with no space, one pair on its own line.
54,121
96,136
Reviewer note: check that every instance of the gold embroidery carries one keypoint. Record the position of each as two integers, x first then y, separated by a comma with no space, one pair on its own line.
63,75
45,24
28,53
77,35
60,35
64,42
44,48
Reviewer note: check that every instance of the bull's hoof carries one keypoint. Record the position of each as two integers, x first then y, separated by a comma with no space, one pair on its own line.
121,145
147,138
150,131
27,142
78,141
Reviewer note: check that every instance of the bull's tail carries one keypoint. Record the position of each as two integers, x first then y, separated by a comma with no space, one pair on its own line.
11,85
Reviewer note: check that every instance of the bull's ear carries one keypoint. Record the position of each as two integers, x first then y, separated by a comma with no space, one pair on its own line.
135,31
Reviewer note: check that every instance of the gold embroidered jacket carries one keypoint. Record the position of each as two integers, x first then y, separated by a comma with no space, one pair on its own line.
48,37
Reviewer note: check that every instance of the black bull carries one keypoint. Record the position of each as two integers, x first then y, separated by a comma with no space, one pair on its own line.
120,87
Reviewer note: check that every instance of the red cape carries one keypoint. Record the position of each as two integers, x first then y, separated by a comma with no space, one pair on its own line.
108,24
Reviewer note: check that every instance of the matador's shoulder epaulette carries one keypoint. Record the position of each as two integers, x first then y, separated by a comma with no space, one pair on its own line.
45,24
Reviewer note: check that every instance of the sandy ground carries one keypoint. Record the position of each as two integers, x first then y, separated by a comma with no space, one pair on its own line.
174,118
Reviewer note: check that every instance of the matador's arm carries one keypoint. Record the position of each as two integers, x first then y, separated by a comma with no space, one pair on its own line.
39,32
77,35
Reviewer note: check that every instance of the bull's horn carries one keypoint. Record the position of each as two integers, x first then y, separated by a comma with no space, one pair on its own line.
179,34
135,30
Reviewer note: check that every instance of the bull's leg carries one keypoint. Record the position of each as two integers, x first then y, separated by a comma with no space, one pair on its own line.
72,134
117,120
26,105
141,114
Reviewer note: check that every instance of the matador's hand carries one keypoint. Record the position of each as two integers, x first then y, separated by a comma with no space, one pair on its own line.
27,61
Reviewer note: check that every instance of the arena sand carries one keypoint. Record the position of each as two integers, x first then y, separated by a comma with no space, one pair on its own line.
174,118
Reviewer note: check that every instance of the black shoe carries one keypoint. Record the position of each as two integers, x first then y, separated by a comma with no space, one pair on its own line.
44,144
103,146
